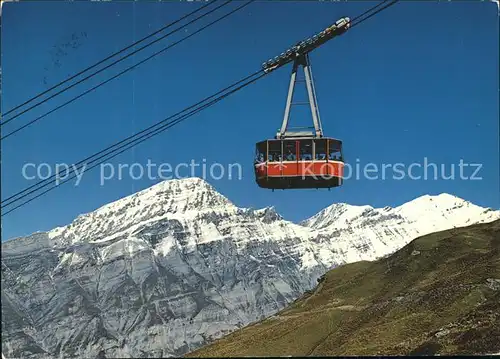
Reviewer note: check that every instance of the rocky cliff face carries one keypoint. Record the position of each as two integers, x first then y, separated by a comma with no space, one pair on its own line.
170,268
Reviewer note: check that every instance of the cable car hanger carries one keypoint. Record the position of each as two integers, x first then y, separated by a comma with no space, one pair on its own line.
302,60
299,54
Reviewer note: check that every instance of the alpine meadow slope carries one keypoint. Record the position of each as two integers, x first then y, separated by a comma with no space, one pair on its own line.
440,294
173,267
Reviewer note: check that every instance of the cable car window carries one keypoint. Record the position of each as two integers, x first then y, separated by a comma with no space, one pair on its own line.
289,151
274,151
334,150
320,149
260,152
305,150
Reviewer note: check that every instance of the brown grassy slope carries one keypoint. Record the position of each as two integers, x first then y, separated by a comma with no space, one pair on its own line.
439,294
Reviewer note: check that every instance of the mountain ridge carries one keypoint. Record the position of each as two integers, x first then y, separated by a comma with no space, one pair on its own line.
174,266
192,182
438,295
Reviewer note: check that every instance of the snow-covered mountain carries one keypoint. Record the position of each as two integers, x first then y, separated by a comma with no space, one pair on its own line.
166,270
354,233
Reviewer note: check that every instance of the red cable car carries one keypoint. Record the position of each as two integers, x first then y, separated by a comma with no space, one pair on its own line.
299,159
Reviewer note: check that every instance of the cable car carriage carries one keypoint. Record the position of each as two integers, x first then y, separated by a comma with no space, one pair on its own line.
299,159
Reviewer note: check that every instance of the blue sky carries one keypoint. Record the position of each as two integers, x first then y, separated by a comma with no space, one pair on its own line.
419,80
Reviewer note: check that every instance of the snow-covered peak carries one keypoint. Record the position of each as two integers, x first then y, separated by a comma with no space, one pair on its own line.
434,201
180,194
182,197
433,211
268,214
335,214
433,208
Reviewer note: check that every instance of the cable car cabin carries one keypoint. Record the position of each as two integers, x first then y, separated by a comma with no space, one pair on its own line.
299,163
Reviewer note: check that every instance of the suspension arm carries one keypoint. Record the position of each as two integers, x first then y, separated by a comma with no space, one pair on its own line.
304,47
